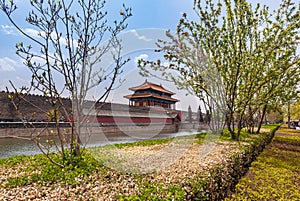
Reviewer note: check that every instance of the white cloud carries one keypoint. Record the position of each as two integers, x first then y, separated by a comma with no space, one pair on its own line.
7,64
142,56
32,32
260,28
21,81
36,34
140,37
9,30
166,64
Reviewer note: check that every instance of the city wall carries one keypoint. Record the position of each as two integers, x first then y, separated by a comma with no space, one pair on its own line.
108,130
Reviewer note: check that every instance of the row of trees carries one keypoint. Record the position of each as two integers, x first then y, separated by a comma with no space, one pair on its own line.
238,58
201,118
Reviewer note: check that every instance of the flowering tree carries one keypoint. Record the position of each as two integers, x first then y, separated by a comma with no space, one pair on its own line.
236,57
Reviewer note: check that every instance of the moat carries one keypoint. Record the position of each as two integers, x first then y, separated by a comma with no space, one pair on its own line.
13,147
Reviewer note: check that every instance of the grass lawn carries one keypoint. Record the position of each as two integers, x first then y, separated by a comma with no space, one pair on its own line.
275,175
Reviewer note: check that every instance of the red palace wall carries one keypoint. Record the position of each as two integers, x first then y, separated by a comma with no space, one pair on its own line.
130,120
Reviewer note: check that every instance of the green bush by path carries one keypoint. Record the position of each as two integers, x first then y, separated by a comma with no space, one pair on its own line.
275,175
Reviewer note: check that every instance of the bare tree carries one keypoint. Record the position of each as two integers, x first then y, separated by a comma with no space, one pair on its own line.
65,59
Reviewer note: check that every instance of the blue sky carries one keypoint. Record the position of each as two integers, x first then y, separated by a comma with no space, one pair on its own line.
149,21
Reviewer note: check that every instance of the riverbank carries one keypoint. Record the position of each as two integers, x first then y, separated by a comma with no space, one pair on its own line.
13,147
275,175
181,168
16,129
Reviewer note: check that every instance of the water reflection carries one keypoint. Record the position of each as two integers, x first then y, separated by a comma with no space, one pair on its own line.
13,147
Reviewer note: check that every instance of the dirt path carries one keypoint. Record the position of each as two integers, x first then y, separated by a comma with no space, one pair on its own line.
275,175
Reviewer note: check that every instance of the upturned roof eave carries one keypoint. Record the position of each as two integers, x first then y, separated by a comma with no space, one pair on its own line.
147,85
152,95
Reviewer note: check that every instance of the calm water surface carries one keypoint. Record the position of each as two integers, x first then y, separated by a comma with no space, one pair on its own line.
13,147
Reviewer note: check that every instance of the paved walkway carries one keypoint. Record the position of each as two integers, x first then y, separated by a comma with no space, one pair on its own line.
275,175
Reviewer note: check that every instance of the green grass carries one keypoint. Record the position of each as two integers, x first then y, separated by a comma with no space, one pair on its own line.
199,138
294,140
244,136
275,175
13,160
156,192
270,126
144,143
38,169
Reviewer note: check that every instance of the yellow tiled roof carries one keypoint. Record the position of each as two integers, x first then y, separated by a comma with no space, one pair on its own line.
149,85
147,95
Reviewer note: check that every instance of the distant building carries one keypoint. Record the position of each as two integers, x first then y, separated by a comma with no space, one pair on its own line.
144,109
149,94
149,104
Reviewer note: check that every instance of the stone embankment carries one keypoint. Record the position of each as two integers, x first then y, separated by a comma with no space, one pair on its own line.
19,131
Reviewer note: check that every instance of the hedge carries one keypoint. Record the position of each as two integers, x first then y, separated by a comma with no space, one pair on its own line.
222,179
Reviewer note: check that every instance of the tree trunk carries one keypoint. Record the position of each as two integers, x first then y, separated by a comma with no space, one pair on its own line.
289,115
72,141
228,122
239,131
262,118
239,127
77,147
